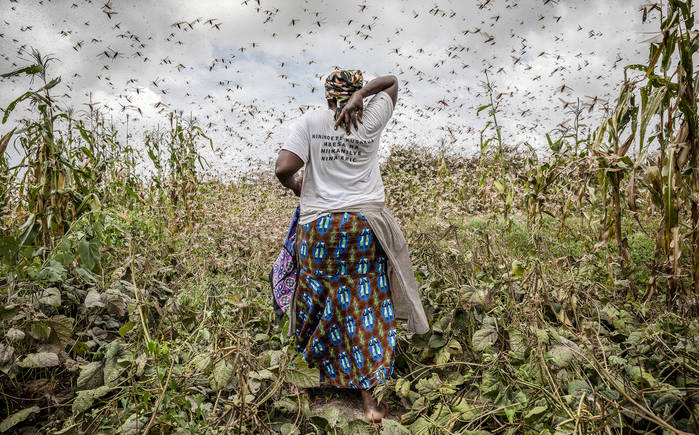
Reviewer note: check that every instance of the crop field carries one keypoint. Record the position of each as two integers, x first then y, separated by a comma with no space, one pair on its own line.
561,287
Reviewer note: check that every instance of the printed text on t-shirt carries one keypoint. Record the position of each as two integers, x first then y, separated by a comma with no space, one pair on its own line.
339,147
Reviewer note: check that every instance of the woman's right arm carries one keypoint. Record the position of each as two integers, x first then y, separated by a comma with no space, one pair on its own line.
355,105
388,84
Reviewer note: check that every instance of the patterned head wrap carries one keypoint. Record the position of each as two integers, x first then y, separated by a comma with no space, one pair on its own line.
340,85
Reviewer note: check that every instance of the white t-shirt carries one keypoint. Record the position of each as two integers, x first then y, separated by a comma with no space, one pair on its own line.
341,170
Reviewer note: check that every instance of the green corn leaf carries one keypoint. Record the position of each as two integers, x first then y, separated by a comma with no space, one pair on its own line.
13,104
29,70
482,108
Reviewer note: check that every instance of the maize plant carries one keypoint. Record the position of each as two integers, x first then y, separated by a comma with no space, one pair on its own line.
672,94
49,206
183,158
668,96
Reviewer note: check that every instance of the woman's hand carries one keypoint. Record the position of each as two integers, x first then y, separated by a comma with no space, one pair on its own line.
351,112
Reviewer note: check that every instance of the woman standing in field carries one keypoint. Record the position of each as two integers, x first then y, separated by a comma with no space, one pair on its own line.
355,276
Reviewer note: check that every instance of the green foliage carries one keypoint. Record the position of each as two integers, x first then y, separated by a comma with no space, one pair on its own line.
17,418
301,375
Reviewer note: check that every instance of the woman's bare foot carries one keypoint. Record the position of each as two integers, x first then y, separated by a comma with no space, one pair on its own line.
371,409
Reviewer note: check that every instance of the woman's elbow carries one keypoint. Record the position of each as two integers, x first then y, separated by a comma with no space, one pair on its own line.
282,171
279,170
287,165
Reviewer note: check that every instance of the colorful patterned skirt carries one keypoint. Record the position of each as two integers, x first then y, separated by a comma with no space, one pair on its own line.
345,319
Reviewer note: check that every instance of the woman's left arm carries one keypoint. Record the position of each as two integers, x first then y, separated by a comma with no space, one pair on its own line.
286,168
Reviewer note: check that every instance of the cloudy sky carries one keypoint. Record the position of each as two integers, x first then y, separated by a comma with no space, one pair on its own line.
245,70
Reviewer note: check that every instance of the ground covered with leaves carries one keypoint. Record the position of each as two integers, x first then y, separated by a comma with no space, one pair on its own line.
140,322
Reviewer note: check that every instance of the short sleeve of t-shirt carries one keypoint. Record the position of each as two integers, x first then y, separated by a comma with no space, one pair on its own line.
377,112
298,141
